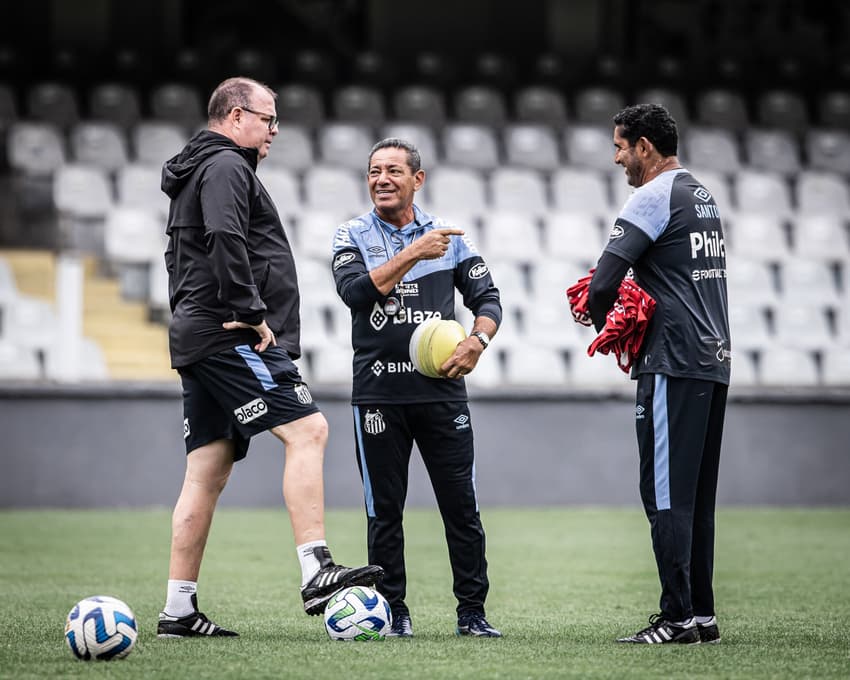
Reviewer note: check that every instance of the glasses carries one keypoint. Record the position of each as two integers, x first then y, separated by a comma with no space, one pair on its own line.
272,120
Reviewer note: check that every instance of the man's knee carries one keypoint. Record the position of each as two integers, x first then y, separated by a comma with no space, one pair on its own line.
311,431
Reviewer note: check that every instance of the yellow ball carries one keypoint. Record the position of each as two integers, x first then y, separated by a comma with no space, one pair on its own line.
432,343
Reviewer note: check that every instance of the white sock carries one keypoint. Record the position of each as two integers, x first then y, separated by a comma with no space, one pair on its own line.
309,564
705,620
687,623
179,600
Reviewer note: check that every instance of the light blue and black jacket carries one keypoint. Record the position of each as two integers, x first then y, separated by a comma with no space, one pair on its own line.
382,324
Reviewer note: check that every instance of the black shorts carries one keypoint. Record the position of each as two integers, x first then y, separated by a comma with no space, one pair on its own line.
238,393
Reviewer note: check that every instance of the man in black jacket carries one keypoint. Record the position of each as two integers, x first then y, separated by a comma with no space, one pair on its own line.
234,334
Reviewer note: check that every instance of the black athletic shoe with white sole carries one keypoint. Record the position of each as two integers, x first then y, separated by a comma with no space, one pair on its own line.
474,624
195,624
661,632
709,633
402,627
332,577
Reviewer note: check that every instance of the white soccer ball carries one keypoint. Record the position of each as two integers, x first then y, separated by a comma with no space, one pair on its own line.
101,627
432,343
357,613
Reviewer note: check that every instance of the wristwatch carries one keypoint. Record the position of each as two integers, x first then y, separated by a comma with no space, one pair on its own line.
483,338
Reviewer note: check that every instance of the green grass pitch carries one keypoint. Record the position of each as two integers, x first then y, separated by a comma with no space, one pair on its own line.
564,584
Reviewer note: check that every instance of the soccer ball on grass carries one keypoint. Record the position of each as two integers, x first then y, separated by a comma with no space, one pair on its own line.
101,627
357,613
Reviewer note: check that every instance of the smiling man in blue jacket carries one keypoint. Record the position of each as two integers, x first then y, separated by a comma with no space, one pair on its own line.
395,267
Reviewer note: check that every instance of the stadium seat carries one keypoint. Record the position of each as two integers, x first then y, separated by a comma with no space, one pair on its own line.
180,104
359,104
316,229
102,145
81,191
828,150
574,236
541,105
494,70
597,106
374,69
300,105
315,276
550,278
589,146
346,145
420,104
782,109
453,190
772,151
282,186
834,110
552,326
518,189
138,186
744,372
787,367
821,193
91,363
511,235
721,108
18,362
158,301
35,149
344,189
802,326
421,136
154,142
315,68
599,372
532,146
580,191
835,366
808,282
115,103
536,366
487,373
8,107
470,145
82,196
331,366
711,149
292,148
749,328
751,282
762,192
255,63
670,100
510,279
133,238
480,105
53,103
821,237
758,236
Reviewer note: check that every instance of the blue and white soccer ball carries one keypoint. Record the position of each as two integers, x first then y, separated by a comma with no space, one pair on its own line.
101,627
357,613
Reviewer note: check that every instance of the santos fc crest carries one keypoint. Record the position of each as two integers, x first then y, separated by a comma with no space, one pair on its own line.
374,423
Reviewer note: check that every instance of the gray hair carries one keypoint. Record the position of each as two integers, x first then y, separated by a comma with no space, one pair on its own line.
414,162
231,93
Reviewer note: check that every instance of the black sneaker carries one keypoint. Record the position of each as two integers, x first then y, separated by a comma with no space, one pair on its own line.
402,627
195,624
474,623
661,631
332,577
709,633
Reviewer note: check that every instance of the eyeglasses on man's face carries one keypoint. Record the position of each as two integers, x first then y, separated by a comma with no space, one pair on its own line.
267,118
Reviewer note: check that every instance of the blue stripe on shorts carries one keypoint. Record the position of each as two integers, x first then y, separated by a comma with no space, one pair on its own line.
257,366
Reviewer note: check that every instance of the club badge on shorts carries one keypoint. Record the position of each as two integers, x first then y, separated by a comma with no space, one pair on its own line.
303,394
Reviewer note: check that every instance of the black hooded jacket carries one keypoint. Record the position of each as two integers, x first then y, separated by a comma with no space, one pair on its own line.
228,257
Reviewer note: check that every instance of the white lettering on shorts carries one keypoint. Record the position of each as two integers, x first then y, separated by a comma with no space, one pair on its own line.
250,411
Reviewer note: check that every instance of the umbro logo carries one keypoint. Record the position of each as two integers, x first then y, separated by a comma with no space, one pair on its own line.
462,422
640,411
702,194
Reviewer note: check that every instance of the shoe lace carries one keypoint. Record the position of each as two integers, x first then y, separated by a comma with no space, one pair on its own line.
475,619
655,622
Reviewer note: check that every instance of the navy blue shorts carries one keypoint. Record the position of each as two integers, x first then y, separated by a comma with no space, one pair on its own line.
237,393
